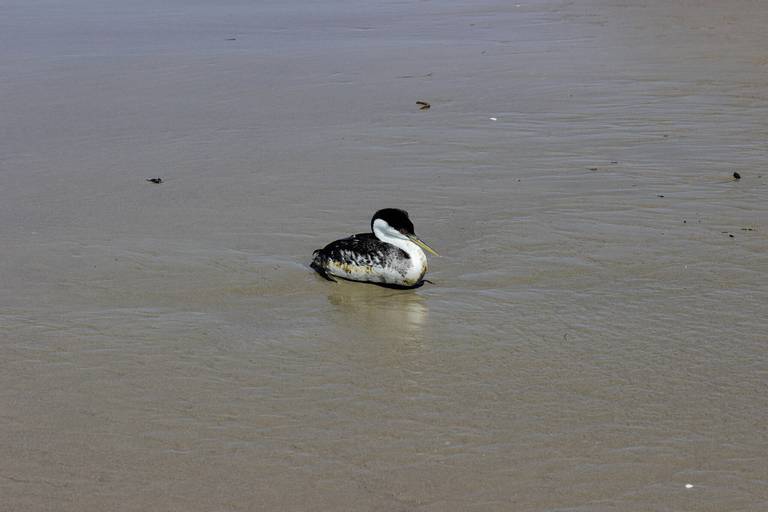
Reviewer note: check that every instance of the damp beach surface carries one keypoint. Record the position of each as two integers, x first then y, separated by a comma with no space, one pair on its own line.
594,340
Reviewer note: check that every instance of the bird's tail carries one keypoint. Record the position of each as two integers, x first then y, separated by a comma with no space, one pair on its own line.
318,265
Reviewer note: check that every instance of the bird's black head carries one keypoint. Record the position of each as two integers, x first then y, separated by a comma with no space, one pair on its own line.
398,219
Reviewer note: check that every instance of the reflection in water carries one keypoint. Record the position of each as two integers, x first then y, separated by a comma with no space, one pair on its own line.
383,313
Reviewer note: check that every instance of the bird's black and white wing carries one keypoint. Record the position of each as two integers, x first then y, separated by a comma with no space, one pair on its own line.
361,257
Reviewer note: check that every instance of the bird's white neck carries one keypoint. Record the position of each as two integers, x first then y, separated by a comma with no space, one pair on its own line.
386,233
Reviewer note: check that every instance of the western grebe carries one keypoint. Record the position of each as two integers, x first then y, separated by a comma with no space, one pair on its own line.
390,255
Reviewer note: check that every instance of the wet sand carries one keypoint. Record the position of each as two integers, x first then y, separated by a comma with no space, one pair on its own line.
595,337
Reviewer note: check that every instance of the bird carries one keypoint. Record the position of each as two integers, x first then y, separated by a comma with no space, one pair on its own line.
391,255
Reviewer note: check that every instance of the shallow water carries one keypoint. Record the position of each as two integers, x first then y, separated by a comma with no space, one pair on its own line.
595,338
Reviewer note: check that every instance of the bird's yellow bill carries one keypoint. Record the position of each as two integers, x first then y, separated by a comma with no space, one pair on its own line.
421,244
